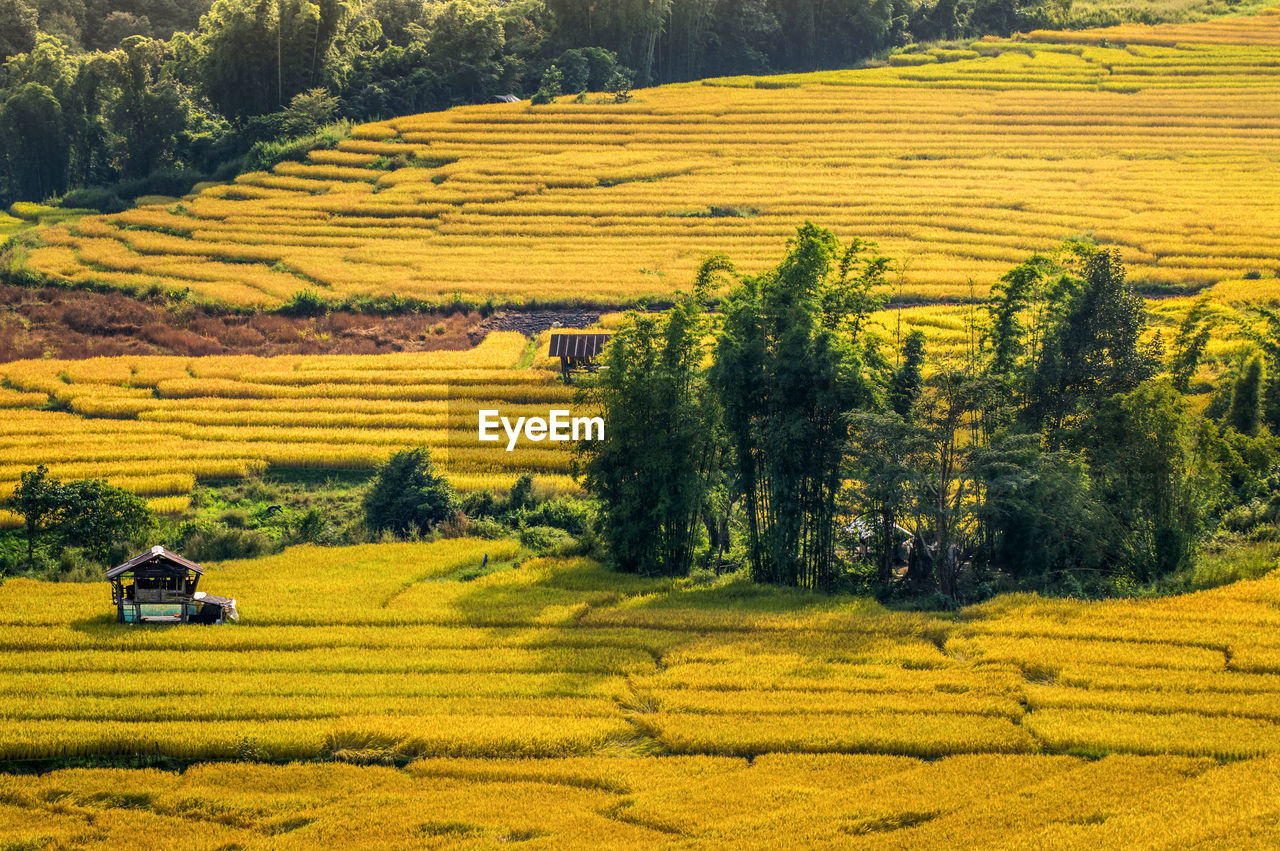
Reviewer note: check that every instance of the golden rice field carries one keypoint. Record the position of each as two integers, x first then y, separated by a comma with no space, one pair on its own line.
155,425
159,425
562,704
1159,140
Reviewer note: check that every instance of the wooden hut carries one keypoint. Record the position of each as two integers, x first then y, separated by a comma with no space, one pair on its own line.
160,587
577,352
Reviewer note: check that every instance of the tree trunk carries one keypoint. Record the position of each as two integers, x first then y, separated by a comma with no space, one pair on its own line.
887,548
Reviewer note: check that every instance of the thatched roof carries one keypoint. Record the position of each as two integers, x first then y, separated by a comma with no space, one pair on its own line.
158,560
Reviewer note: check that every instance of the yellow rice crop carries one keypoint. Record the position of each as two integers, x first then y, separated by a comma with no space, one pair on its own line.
154,424
1160,140
769,718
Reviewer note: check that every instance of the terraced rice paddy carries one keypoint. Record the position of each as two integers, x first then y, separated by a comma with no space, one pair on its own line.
560,703
157,424
1159,140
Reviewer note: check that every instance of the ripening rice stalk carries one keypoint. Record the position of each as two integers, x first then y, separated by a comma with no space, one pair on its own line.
1013,148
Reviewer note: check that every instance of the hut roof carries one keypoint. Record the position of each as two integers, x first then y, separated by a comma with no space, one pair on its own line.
155,555
577,345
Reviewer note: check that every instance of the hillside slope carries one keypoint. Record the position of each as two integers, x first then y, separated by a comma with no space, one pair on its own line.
646,701
1161,140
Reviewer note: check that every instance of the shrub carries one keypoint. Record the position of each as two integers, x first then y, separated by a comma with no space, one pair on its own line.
544,539
552,87
305,303
521,495
408,496
219,543
570,515
619,86
479,504
270,152
487,527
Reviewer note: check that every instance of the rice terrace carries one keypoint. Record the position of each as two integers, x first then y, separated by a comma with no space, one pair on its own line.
958,166
936,501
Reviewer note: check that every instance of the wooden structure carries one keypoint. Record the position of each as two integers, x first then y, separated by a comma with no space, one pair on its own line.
160,587
577,352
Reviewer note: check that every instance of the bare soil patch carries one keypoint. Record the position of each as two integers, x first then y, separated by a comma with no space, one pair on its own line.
63,323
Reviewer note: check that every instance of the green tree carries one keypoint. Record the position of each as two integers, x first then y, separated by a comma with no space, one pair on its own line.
33,138
619,85
100,518
36,498
550,88
883,468
255,55
653,469
520,497
1040,518
1245,412
587,69
1153,464
118,26
944,520
831,33
400,20
17,28
408,496
629,28
84,513
788,369
308,112
1093,349
1268,340
905,383
149,113
1189,345
1008,335
466,53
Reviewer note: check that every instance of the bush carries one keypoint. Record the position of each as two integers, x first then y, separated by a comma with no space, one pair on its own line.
234,518
310,528
487,527
551,88
521,495
305,303
219,543
544,539
118,196
270,152
566,513
408,496
619,86
479,504
102,198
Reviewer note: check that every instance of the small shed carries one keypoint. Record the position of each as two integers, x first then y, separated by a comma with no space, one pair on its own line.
577,352
160,587
504,99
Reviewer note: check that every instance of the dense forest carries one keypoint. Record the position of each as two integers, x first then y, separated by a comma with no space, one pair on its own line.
149,96
1061,452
